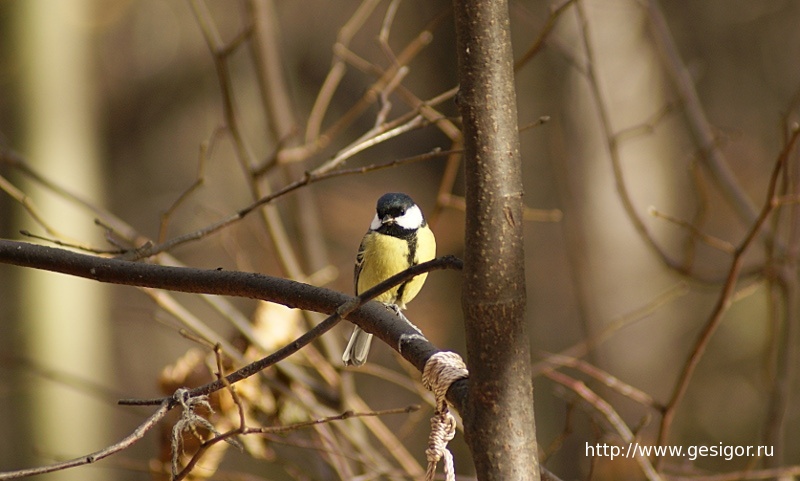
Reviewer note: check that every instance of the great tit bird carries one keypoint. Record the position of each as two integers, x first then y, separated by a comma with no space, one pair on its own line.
397,239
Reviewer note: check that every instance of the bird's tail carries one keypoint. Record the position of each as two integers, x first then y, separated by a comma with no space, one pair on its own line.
355,354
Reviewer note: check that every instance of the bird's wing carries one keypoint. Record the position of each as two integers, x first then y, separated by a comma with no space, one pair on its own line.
358,266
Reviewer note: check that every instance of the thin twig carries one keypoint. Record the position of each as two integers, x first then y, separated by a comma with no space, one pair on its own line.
26,202
241,431
784,472
612,142
228,437
335,75
537,45
372,139
701,129
125,443
709,240
270,217
609,414
584,347
613,382
785,334
206,148
70,245
386,28
308,178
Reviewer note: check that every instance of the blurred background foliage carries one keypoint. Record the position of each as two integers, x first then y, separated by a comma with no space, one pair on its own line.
120,102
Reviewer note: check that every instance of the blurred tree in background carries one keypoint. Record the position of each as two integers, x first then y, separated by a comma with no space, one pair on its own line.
661,193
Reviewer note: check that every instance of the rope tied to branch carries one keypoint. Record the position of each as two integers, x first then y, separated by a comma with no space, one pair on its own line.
442,370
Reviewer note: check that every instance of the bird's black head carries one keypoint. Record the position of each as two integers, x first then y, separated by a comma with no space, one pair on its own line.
397,215
394,204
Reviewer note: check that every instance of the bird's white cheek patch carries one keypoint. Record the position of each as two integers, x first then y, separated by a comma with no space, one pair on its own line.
376,222
412,219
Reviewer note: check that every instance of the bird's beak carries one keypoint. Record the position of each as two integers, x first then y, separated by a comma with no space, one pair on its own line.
387,219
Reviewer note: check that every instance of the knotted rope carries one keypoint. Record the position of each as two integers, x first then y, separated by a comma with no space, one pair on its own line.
441,370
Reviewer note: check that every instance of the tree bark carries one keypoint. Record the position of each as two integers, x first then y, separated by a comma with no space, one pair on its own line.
498,419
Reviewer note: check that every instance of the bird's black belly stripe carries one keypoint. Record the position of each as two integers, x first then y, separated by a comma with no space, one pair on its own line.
411,240
412,248
400,290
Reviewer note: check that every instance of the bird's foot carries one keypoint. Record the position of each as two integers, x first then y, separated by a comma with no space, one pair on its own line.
395,308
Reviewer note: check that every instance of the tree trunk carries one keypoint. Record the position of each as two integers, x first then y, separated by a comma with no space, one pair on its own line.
498,420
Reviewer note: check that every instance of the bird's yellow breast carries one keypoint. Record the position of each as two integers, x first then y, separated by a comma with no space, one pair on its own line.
385,256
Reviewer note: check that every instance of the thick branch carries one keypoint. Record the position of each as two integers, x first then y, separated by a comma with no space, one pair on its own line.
373,317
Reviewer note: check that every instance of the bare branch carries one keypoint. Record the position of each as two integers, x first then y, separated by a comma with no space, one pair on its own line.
127,442
725,296
373,318
609,414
